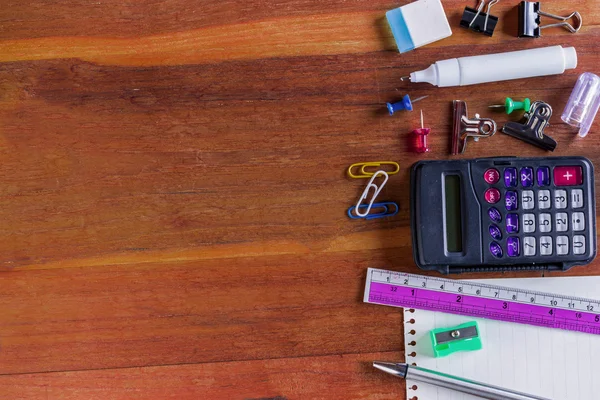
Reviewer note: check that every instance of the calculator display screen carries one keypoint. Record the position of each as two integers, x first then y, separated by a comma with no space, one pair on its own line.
453,214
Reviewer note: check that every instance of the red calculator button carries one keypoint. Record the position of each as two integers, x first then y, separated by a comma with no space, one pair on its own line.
568,176
491,176
492,196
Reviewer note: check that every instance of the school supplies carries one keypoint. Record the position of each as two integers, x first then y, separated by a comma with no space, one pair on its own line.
480,389
503,214
418,23
464,127
553,363
363,210
498,67
478,21
382,210
530,14
583,104
531,131
510,105
362,169
464,337
500,303
419,142
405,104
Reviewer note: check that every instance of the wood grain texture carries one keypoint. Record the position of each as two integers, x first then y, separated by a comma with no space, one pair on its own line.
173,190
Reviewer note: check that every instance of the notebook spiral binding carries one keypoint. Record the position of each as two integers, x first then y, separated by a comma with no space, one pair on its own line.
410,342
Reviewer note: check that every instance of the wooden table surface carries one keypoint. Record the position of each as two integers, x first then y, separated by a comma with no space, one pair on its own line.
173,190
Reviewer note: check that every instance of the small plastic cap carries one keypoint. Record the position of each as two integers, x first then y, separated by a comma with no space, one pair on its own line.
582,107
570,57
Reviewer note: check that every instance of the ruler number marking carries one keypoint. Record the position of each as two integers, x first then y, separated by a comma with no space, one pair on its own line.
495,302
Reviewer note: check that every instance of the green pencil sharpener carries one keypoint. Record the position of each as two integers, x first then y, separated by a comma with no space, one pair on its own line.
463,337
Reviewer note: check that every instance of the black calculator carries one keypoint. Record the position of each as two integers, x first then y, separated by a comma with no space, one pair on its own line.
503,214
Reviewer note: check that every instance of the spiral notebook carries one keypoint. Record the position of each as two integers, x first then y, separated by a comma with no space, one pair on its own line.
557,364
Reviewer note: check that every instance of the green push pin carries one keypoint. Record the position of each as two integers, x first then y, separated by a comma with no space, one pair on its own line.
510,105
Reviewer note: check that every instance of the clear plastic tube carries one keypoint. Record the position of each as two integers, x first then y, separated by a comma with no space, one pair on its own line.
582,107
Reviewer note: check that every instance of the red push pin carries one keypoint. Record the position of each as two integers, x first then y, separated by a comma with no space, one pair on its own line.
419,141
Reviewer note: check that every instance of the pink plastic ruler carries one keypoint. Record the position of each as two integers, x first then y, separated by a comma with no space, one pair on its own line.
397,289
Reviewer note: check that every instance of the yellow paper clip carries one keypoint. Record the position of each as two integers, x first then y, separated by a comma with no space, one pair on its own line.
364,211
365,174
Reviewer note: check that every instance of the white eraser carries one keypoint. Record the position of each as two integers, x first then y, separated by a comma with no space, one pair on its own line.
418,23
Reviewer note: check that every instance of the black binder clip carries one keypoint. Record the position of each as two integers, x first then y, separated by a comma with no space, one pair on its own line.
479,21
532,131
530,21
464,127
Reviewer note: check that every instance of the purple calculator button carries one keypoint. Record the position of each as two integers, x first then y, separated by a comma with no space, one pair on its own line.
511,200
543,176
496,250
512,223
495,232
510,177
527,177
513,247
495,215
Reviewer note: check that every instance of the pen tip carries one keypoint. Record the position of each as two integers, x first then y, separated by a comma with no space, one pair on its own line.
392,368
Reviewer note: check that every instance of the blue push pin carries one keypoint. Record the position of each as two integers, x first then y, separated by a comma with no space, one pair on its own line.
405,104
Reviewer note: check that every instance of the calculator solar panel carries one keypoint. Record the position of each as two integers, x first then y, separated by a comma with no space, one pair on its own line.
503,214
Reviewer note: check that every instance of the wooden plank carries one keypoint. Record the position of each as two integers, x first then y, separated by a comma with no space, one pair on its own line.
191,312
96,184
351,375
222,309
150,150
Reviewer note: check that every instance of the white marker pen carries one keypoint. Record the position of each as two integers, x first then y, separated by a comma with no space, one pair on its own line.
498,67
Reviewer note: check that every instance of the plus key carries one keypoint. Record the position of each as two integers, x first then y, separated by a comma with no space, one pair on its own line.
568,176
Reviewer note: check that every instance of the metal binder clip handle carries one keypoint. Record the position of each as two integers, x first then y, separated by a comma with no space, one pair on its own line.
464,127
530,21
532,131
479,21
565,24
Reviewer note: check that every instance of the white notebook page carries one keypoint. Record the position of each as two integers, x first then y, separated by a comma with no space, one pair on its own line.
557,364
